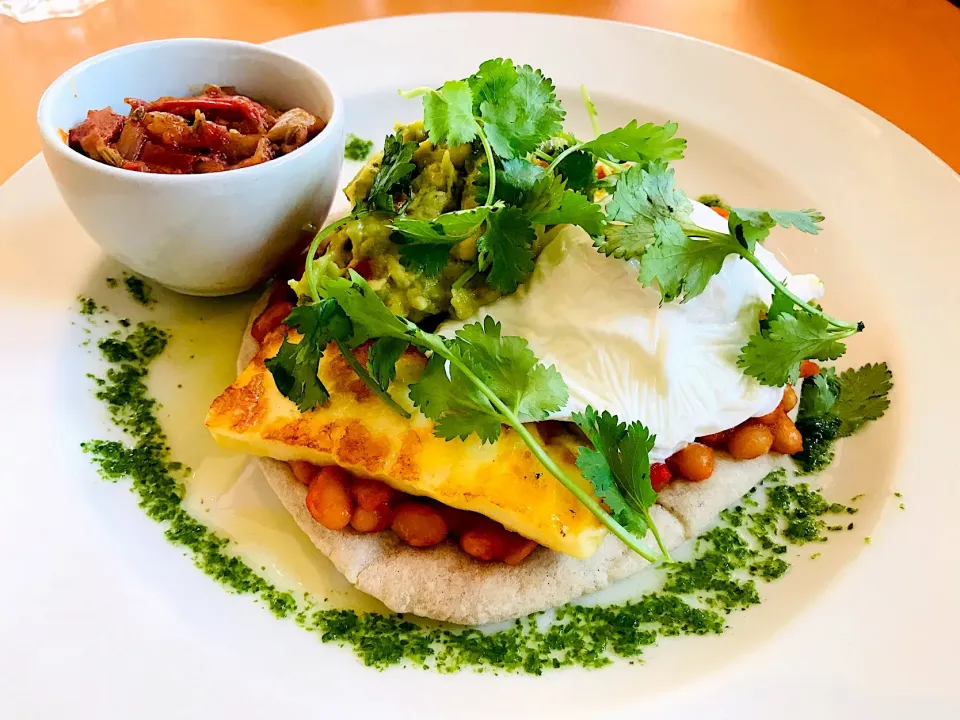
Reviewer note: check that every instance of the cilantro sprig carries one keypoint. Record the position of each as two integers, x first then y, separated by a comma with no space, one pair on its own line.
618,467
652,224
296,365
481,380
835,406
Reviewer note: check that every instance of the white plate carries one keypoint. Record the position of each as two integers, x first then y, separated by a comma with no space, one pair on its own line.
101,617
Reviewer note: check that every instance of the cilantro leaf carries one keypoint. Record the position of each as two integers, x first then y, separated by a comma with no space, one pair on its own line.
543,197
574,209
382,359
836,406
394,173
492,81
779,305
579,170
428,259
774,356
449,228
819,394
750,226
514,181
448,114
618,467
457,407
638,143
642,196
518,177
680,264
425,244
625,241
509,368
366,311
519,110
295,367
506,366
863,396
506,248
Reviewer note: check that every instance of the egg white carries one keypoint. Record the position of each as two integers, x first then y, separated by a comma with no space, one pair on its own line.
672,367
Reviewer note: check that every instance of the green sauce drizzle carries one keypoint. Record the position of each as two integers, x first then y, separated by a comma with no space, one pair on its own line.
137,289
357,148
693,598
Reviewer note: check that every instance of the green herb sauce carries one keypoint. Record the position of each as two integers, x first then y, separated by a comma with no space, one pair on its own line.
137,289
693,598
88,306
357,148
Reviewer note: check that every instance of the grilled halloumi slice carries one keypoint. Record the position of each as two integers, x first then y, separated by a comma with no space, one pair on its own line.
357,431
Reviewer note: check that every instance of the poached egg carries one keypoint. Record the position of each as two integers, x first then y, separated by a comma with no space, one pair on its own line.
673,367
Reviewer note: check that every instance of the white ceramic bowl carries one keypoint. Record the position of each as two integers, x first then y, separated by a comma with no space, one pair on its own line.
214,234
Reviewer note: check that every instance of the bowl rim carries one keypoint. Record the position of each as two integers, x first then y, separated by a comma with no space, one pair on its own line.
53,139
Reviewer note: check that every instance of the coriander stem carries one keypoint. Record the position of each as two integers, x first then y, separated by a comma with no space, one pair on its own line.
415,92
369,381
656,534
309,269
698,232
561,156
491,191
466,276
542,155
436,345
591,110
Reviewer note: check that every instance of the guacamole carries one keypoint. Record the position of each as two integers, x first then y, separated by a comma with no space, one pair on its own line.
443,181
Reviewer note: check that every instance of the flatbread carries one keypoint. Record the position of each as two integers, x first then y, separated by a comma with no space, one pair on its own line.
443,583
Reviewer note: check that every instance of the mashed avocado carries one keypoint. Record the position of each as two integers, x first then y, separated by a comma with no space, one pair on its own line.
443,181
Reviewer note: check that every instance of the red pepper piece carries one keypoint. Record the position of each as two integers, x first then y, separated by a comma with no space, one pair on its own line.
187,107
166,160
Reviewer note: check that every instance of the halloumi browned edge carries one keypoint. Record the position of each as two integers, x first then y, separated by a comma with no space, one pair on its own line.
443,583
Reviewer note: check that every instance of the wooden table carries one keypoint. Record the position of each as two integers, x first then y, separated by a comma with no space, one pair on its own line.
900,58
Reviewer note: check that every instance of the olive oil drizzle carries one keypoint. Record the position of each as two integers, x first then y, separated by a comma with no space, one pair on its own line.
694,596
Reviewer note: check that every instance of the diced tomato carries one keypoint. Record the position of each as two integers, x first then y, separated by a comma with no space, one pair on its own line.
660,476
601,172
364,269
270,319
808,368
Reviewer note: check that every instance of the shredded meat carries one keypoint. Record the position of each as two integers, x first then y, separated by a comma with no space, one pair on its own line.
211,132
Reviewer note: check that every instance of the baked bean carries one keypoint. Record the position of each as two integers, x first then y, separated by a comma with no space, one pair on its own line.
750,440
660,476
789,401
694,462
809,368
303,471
329,500
270,319
371,494
770,418
418,524
457,520
715,440
487,541
786,438
371,521
519,550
